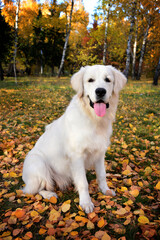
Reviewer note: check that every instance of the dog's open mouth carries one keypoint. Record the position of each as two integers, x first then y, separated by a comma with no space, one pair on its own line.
99,107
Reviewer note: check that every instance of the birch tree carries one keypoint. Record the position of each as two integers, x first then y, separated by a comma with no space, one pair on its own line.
134,52
16,40
106,12
128,50
143,49
66,40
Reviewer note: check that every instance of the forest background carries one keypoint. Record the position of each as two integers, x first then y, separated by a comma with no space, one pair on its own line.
124,33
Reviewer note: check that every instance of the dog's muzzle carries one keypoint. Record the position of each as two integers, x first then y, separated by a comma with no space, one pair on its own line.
99,101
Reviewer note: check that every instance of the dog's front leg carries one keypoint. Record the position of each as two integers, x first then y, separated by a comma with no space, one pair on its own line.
101,178
81,184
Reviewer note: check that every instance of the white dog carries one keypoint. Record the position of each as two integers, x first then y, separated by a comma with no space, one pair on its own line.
79,139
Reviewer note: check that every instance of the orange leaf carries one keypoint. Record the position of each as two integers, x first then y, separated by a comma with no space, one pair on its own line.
16,232
19,213
158,186
74,233
134,192
106,237
81,219
28,235
101,222
42,231
53,200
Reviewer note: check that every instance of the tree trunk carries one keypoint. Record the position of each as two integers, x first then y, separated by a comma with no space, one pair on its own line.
157,73
16,40
143,51
66,41
105,36
134,53
1,72
128,51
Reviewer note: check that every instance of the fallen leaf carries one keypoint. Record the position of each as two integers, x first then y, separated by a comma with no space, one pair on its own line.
143,220
90,225
106,237
53,200
121,211
16,232
134,192
66,206
19,213
101,222
158,186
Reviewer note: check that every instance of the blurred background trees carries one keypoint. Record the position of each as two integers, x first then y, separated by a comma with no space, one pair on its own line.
123,34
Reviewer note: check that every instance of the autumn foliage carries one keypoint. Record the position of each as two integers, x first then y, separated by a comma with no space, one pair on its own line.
132,166
42,28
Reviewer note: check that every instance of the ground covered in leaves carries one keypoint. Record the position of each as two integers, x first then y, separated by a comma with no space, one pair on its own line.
132,165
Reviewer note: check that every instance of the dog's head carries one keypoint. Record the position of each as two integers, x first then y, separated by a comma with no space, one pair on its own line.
98,83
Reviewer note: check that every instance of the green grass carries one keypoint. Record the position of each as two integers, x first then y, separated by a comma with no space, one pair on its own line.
26,108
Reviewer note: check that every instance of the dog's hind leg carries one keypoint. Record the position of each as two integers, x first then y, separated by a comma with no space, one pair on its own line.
37,177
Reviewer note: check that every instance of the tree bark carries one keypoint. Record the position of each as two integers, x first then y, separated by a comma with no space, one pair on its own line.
1,72
157,73
128,50
16,40
143,51
134,53
66,41
105,36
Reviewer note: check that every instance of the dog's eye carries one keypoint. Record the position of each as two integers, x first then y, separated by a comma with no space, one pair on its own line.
91,80
107,80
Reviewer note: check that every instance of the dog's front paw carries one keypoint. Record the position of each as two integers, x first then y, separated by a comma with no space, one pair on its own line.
87,206
110,192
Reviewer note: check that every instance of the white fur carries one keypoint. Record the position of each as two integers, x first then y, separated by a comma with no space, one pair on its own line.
76,141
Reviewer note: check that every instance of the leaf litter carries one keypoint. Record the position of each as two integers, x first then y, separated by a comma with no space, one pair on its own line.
132,168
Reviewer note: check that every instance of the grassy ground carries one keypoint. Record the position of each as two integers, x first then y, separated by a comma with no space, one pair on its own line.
132,165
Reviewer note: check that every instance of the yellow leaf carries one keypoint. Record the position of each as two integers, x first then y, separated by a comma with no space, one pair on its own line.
121,211
158,186
34,214
13,174
143,220
123,189
90,225
54,215
129,202
127,221
126,172
140,184
101,222
66,206
147,171
134,192
124,145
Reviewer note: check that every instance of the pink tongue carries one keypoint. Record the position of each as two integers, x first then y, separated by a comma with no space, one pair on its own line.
100,109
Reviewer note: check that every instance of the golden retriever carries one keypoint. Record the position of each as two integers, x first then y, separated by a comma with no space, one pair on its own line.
79,139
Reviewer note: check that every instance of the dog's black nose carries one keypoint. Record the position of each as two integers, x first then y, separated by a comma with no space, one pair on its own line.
100,92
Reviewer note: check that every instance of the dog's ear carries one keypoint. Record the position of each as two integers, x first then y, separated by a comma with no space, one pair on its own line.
77,82
119,80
